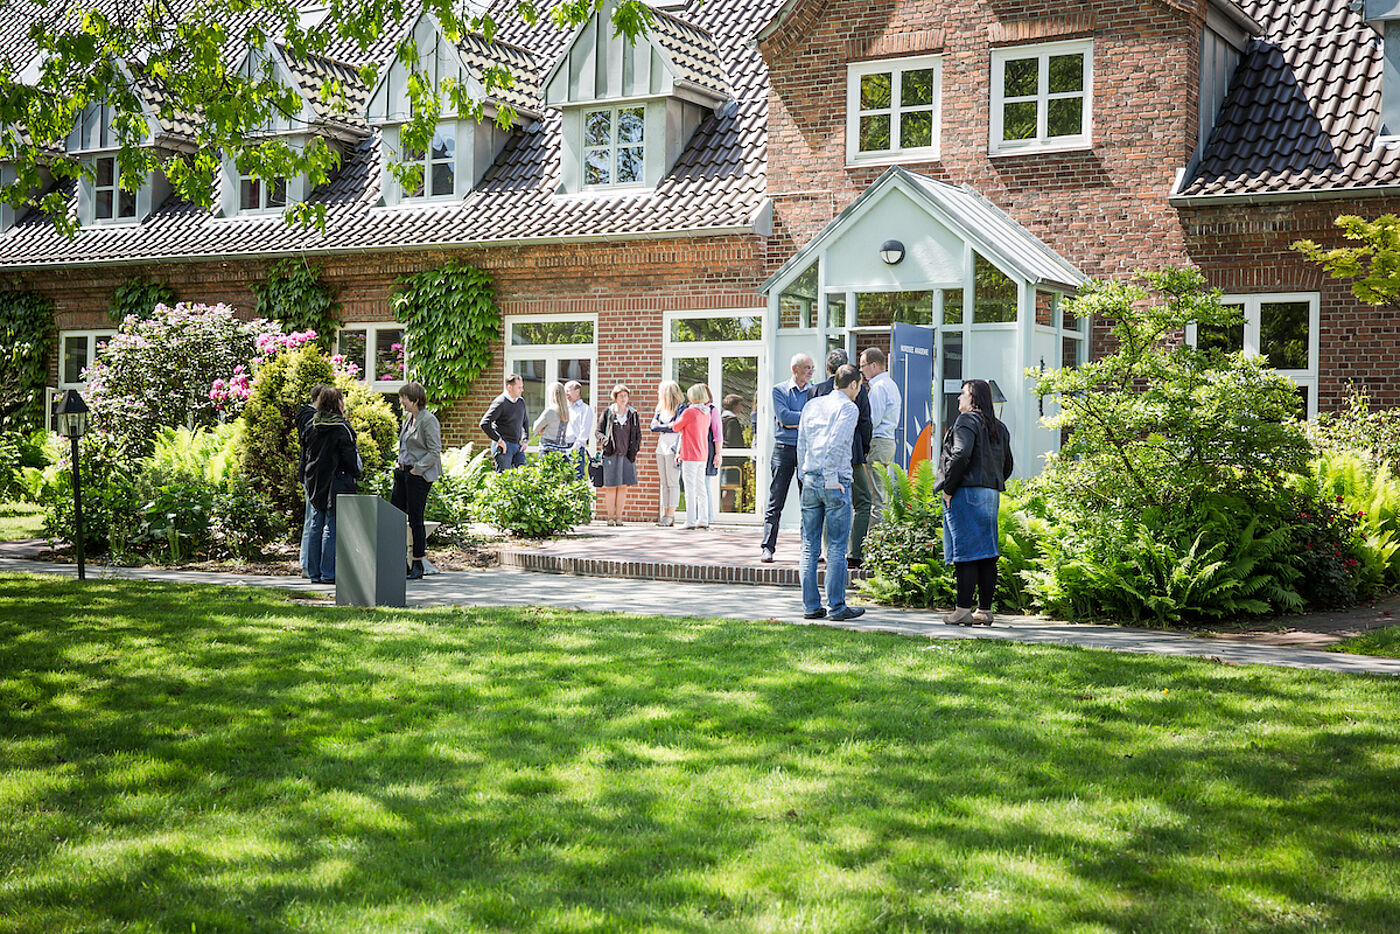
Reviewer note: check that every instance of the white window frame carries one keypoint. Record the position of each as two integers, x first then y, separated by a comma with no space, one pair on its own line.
551,354
612,147
371,331
1252,333
1041,142
448,129
264,193
92,336
896,153
116,189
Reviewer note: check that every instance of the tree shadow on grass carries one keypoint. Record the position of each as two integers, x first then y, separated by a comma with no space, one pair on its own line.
180,756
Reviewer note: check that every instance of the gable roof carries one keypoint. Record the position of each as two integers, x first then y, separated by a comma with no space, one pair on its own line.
1302,115
990,230
312,72
525,95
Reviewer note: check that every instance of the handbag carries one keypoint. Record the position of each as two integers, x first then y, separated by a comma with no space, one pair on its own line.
595,470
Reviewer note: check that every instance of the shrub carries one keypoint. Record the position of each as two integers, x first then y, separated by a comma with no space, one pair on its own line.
110,498
452,497
542,498
20,450
1365,496
1374,433
26,333
158,372
267,445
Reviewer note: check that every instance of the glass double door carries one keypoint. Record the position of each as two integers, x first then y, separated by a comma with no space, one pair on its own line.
732,376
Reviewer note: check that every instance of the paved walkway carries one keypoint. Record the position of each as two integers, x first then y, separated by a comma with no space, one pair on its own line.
509,587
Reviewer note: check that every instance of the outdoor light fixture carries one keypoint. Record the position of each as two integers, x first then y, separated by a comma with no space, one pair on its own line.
892,252
72,416
998,398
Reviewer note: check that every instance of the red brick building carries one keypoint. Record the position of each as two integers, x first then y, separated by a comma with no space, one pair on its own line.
715,198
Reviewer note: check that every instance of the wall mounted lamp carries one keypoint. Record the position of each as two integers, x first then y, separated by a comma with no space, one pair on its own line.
892,252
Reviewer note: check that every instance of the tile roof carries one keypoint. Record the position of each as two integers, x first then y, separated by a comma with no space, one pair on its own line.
718,183
525,95
344,106
692,50
1303,110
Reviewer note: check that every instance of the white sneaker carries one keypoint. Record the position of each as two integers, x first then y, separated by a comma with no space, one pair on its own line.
961,616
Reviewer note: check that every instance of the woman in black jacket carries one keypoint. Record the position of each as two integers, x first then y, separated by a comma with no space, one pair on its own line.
619,437
332,466
972,471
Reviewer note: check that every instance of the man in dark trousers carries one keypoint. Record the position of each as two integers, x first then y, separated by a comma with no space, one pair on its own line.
506,423
788,400
860,483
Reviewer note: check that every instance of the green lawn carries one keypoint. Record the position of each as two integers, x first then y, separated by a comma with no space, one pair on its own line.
21,520
1380,642
180,759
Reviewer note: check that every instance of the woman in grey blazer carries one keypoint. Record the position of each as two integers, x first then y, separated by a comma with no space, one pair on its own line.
418,465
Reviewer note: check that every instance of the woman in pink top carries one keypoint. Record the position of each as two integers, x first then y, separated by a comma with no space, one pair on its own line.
694,427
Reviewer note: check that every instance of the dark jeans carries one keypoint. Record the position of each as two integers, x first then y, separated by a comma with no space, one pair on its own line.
411,495
784,468
513,456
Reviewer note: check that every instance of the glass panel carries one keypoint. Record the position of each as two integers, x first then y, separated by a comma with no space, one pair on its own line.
551,332
595,167
277,197
1303,392
1225,339
880,340
952,306
687,371
1071,349
630,125
915,129
797,301
1045,308
1283,334
952,370
103,207
629,164
106,172
836,310
875,133
74,358
994,294
743,328
875,91
126,204
1071,320
581,371
1021,77
444,145
916,87
442,179
387,364
1065,117
1018,121
250,194
597,128
533,373
1066,73
737,392
352,344
875,309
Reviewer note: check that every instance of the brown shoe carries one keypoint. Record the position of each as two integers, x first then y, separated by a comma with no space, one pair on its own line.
982,617
961,616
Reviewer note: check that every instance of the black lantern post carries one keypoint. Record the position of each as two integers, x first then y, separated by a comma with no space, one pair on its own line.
72,416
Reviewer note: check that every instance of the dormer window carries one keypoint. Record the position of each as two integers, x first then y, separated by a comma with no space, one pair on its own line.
109,201
614,146
255,195
438,164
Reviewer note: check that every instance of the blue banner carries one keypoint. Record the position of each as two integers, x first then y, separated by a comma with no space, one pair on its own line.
911,366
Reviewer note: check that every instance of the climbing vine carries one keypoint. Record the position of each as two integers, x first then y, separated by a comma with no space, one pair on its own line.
26,333
138,297
450,323
294,296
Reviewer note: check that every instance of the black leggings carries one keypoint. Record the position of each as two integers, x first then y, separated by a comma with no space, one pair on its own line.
980,576
411,495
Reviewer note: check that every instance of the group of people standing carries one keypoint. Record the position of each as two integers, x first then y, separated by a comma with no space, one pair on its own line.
331,465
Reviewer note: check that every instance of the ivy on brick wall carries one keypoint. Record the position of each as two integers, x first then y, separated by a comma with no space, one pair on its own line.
294,296
138,297
451,322
26,333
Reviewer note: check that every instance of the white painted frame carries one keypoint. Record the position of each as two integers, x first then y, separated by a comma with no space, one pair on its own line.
1042,142
896,153
116,189
92,337
612,147
551,354
367,372
1253,337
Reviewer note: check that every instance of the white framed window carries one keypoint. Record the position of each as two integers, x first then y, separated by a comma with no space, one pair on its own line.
376,350
256,195
553,348
614,146
1282,327
77,350
1042,97
892,110
438,164
110,203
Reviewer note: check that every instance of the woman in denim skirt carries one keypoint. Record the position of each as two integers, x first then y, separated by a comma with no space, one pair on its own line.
972,471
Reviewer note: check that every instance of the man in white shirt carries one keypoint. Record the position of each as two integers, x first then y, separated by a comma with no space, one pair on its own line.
580,426
825,431
884,414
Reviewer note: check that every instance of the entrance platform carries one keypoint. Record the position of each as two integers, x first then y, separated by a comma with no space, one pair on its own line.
718,555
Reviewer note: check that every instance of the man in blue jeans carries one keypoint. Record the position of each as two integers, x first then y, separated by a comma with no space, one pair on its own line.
824,435
507,424
788,400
